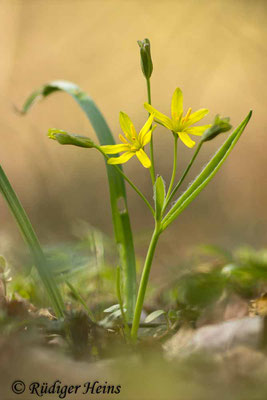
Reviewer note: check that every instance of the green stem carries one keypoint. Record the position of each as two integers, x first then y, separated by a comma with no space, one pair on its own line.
127,180
174,165
168,199
148,90
152,168
32,241
144,281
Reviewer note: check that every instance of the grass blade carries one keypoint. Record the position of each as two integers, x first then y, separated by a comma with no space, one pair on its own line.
120,216
207,174
31,239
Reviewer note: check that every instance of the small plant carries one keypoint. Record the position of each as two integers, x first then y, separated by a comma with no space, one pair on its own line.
166,208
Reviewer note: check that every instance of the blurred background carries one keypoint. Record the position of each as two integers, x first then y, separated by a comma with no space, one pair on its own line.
214,50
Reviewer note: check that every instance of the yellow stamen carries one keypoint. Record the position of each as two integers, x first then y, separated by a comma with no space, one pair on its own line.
133,132
122,138
187,115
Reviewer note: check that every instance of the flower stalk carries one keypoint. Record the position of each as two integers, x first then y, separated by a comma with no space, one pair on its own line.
144,281
151,145
174,165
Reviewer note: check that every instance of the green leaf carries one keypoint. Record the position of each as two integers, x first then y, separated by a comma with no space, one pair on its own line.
154,315
120,216
63,137
206,175
159,196
32,241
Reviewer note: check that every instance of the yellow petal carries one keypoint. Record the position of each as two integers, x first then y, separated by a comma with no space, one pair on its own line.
197,130
122,159
115,148
177,104
196,116
163,119
127,126
147,137
146,127
186,139
143,158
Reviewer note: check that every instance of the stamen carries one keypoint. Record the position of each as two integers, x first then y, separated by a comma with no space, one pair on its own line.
122,138
187,114
133,132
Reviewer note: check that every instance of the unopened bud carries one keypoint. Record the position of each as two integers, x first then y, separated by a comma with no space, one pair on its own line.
64,137
146,60
219,125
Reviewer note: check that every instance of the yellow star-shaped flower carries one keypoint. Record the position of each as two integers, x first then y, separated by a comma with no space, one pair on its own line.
178,123
133,144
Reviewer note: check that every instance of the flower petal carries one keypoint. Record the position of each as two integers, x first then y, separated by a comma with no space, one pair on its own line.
147,137
143,158
197,130
115,148
146,127
122,159
163,119
177,103
127,126
186,139
196,116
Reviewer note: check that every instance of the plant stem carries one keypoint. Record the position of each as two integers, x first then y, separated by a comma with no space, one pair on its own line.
174,165
144,281
183,177
152,168
127,180
32,241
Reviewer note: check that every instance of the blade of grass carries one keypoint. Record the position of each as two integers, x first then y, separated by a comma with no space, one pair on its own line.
120,216
206,175
32,241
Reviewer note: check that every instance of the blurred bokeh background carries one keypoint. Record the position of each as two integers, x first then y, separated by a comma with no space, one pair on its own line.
214,50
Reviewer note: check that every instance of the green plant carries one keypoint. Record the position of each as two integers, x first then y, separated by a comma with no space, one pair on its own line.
32,241
163,212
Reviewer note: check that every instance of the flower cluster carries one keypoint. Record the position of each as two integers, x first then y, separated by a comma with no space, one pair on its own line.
179,124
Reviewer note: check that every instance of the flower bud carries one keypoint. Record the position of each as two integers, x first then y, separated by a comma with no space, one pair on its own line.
219,125
146,61
64,137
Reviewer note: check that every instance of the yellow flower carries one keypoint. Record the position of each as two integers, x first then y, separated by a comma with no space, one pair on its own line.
179,124
133,144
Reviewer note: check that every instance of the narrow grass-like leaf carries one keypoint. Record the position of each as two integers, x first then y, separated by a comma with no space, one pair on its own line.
30,238
121,221
206,175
